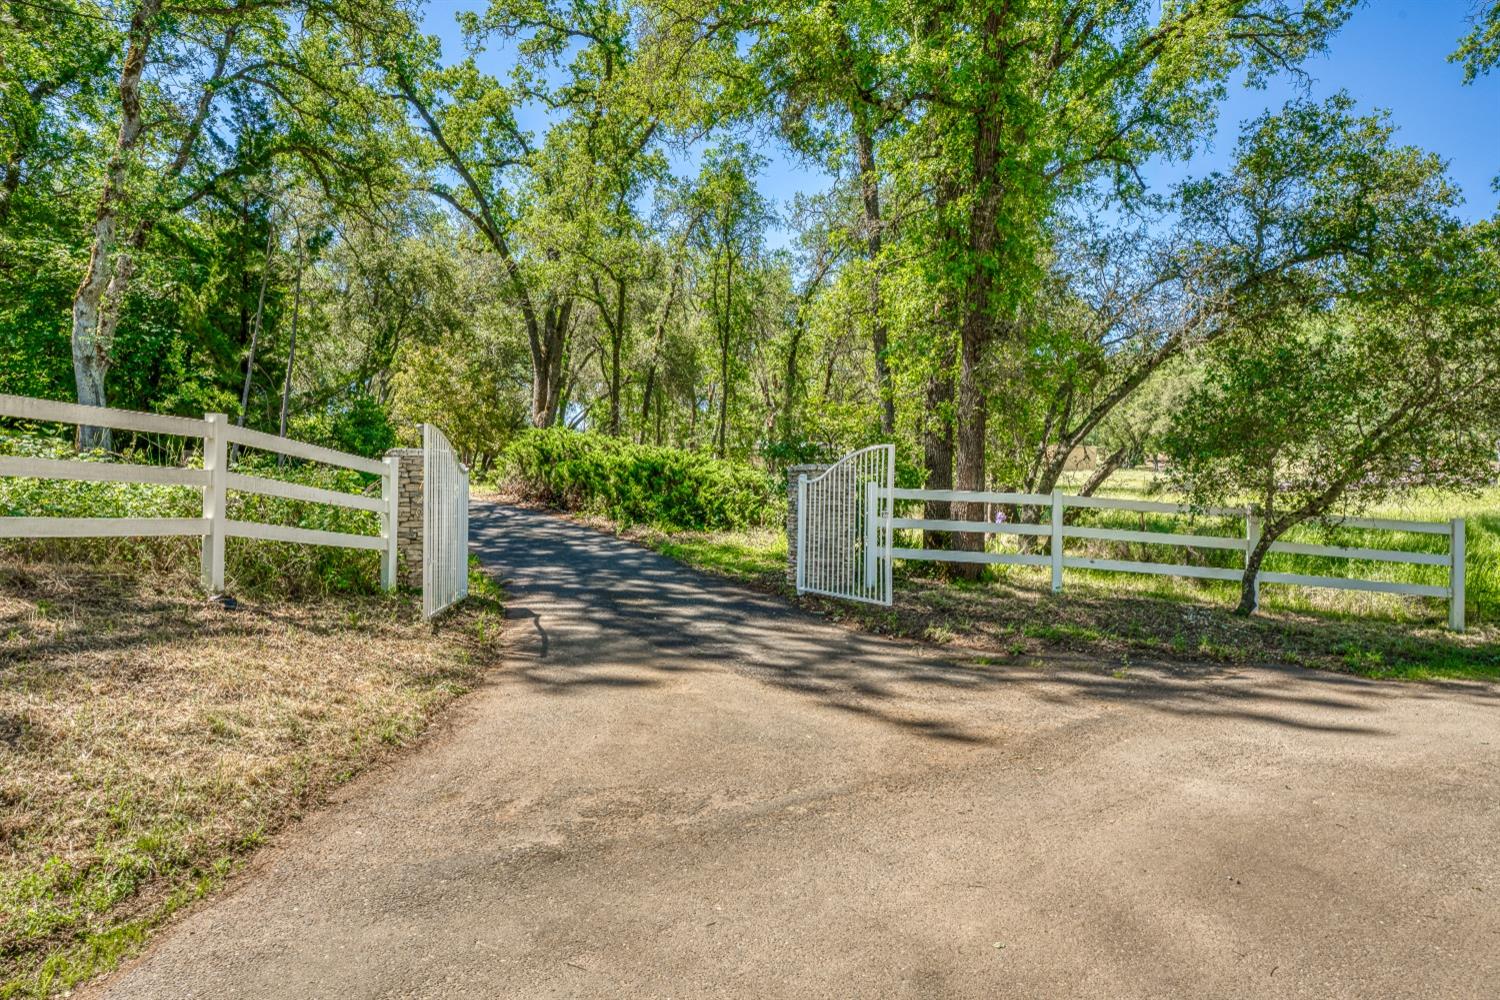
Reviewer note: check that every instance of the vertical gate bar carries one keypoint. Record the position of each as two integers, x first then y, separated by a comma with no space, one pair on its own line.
801,531
849,541
815,534
830,536
427,517
840,538
872,497
463,540
872,511
872,534
816,513
820,516
830,540
890,537
853,564
872,530
835,538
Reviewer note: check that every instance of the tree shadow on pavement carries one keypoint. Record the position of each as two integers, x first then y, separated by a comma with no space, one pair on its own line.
591,610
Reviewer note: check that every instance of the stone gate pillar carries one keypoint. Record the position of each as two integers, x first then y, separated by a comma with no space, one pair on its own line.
408,516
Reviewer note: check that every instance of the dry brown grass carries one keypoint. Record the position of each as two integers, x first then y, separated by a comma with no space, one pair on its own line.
148,740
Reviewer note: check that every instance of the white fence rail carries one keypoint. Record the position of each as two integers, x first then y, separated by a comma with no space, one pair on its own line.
214,480
445,524
1055,529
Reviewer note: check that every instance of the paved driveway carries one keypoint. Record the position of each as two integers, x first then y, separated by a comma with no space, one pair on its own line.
678,788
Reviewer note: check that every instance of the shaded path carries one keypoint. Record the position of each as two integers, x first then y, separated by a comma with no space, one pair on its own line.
679,788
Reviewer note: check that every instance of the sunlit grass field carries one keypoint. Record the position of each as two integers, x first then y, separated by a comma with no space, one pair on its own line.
1481,514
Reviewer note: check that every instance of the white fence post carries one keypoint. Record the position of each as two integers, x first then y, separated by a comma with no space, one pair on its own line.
388,522
1057,541
1252,539
872,537
1456,574
216,464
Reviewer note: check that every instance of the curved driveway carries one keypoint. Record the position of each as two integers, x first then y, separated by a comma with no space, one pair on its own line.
679,788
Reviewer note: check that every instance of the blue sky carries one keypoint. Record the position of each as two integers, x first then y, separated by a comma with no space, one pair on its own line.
1392,55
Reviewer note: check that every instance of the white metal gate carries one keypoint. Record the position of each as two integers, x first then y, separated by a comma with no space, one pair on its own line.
844,527
445,524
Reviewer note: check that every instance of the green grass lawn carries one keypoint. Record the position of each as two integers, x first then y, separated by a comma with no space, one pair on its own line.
1116,616
1481,514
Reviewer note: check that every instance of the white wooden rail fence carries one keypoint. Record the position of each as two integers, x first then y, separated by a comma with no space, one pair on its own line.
881,525
214,480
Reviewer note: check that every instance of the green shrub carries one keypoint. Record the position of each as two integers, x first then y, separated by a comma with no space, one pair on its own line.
358,425
251,567
639,484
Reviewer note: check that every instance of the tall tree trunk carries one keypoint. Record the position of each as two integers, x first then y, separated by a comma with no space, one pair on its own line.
260,309
937,449
548,352
616,347
91,346
869,185
9,183
789,400
979,305
725,335
291,354
661,406
650,390
658,338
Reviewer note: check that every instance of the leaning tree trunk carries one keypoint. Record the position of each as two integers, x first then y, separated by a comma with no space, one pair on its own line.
1249,582
1107,468
91,346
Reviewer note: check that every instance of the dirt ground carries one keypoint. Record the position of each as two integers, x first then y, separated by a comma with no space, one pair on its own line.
680,788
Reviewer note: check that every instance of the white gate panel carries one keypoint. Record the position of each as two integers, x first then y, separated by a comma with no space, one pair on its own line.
844,527
445,524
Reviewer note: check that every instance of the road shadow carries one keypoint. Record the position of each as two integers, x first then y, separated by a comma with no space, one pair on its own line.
590,609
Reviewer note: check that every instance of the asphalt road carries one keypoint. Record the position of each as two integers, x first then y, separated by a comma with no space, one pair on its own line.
679,788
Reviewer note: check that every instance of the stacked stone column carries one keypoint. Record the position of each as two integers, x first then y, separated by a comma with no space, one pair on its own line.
408,516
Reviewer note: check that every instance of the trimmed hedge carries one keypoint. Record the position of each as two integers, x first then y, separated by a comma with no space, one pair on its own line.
639,484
